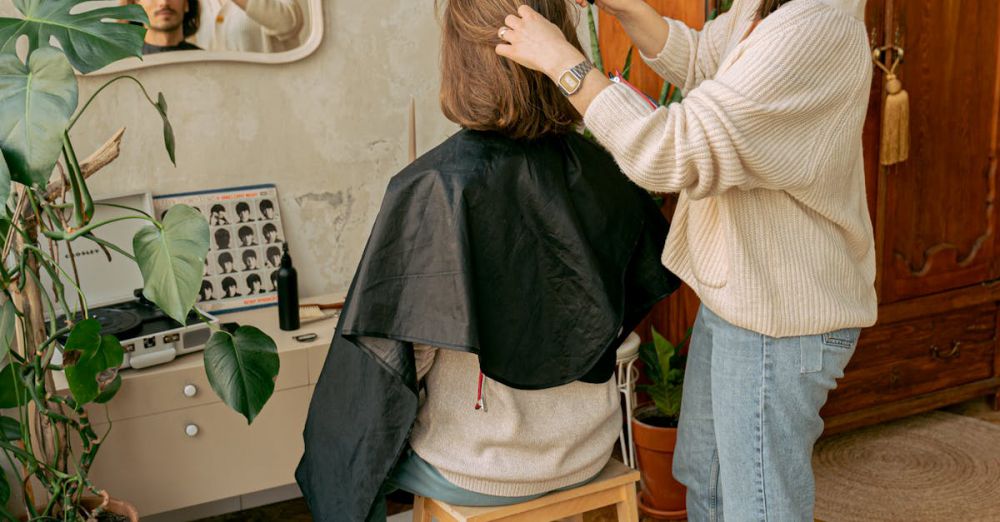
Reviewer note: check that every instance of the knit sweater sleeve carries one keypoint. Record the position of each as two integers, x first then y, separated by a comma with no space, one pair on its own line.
767,120
690,56
279,18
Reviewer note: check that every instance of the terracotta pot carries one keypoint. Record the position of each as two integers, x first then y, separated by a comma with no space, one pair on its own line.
118,507
662,497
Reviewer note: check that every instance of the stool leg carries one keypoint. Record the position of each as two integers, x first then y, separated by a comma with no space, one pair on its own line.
628,510
419,513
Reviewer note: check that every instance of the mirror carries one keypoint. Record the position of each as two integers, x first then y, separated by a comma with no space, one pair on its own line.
264,31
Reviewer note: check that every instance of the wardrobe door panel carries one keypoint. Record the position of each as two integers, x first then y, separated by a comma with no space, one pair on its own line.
939,219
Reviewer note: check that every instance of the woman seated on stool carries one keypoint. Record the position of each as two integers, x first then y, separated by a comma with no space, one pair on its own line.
504,269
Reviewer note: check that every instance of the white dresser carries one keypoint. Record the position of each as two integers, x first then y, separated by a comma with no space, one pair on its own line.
174,444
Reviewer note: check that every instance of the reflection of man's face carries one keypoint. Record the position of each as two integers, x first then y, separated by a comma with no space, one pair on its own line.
164,15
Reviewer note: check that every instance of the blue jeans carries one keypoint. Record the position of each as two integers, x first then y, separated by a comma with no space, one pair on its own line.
750,417
415,475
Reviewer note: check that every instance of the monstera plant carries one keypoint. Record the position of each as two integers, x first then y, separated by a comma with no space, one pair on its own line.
46,211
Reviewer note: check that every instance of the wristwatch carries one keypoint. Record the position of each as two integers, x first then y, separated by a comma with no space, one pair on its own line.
571,80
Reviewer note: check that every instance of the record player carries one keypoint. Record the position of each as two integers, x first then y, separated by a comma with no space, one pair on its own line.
114,292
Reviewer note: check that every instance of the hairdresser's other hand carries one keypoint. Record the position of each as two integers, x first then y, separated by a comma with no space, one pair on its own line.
537,44
613,7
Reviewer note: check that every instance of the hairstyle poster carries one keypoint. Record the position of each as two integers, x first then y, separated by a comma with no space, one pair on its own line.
245,238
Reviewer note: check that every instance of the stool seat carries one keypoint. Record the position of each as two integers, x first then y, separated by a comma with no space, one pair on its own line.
614,486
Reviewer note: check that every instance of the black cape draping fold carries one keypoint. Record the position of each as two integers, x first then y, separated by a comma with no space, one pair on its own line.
538,256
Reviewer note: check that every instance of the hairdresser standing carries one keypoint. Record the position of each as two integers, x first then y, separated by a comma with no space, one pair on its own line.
772,228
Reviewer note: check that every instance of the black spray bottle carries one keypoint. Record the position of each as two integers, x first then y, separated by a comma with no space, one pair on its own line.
288,293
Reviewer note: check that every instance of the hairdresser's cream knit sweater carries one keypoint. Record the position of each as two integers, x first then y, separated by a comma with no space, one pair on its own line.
772,230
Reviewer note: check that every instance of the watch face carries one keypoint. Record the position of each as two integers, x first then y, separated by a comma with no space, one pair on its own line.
569,82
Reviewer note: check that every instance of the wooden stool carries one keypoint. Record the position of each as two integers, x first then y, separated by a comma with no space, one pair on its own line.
614,486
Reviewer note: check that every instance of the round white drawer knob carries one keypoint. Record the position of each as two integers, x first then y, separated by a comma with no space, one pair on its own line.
190,390
191,430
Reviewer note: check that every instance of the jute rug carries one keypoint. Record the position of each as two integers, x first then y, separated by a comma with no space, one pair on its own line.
934,467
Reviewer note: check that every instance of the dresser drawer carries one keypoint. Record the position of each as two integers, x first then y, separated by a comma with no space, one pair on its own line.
157,390
154,463
900,361
919,338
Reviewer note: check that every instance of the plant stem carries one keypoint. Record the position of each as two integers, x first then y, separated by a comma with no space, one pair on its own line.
105,86
595,46
72,281
91,226
124,207
108,244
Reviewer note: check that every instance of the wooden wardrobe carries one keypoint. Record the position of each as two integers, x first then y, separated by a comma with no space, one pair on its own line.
935,215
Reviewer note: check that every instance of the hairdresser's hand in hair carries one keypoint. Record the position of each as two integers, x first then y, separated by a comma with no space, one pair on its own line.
538,44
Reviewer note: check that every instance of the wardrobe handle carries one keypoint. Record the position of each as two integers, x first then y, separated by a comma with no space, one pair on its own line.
954,353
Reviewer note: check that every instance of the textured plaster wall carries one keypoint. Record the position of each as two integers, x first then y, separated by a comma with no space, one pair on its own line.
329,131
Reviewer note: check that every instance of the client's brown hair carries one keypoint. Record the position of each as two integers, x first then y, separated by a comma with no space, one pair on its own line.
481,90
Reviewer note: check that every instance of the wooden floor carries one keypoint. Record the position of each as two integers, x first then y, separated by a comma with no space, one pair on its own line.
295,510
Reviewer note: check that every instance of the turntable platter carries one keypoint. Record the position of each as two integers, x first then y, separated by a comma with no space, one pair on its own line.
122,324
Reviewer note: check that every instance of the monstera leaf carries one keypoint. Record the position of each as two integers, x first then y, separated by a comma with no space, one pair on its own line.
241,368
168,129
91,360
4,187
6,328
91,39
12,391
10,428
38,99
171,258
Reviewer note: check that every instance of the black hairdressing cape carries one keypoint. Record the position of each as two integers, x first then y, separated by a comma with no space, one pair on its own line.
539,256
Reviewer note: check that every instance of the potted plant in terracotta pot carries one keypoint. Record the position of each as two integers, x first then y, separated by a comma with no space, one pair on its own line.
654,428
46,211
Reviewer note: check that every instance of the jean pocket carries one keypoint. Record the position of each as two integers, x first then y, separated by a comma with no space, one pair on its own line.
846,338
813,347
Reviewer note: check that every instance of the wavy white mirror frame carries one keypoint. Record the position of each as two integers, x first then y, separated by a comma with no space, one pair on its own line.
308,47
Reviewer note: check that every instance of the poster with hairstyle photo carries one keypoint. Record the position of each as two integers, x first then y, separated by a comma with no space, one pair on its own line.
270,234
272,257
245,236
250,260
225,262
208,290
268,209
245,212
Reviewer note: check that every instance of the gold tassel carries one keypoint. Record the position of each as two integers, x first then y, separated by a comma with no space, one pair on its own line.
895,123
895,146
